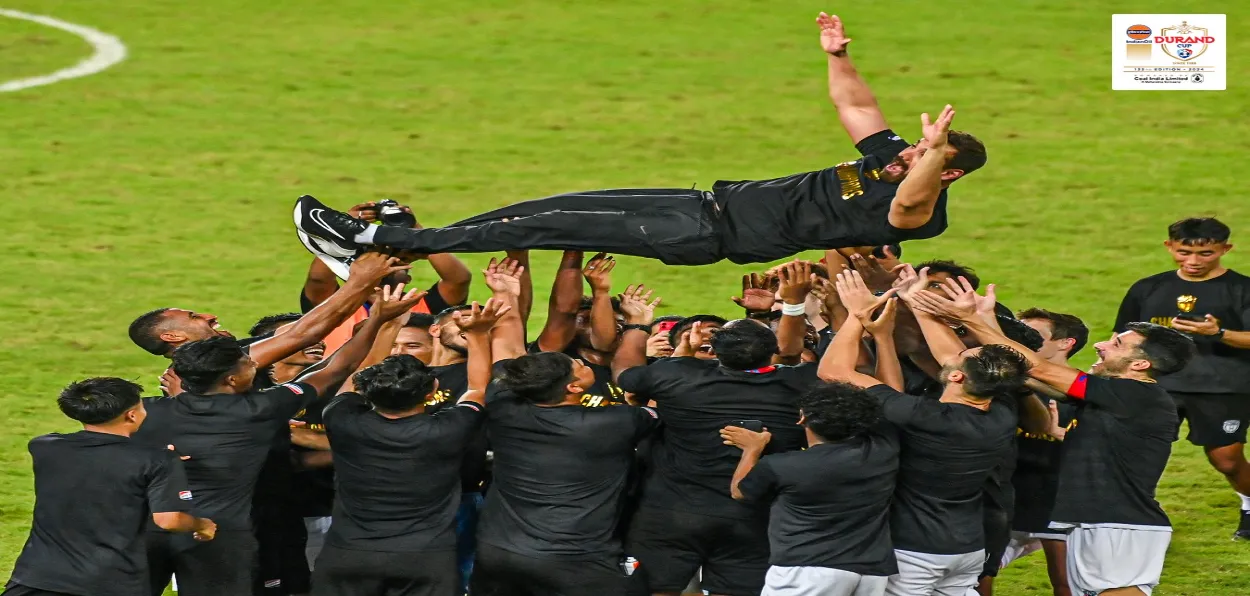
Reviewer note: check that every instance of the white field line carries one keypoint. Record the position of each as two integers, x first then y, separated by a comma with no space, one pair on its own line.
109,50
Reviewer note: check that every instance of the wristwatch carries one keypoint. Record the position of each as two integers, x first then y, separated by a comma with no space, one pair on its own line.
1219,334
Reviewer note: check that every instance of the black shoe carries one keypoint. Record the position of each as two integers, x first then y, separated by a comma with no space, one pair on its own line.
1243,529
336,230
341,266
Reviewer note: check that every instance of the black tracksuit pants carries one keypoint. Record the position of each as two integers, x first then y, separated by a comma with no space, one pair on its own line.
676,226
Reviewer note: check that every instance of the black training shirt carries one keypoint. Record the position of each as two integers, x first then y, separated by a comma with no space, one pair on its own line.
227,437
94,495
949,452
696,399
1217,368
831,503
397,481
559,474
845,205
1115,453
453,382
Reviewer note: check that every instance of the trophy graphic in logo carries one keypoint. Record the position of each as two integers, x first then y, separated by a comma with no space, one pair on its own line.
1184,42
1186,303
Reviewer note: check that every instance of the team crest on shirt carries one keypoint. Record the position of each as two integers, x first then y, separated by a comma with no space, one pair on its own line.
185,495
1231,426
848,178
1186,303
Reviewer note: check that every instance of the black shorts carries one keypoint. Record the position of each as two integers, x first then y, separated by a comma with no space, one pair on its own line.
224,565
1036,490
498,572
997,523
281,538
1215,419
346,572
671,546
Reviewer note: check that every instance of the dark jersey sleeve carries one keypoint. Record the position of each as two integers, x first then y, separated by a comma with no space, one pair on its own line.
305,303
883,146
1130,307
167,485
457,423
435,301
1114,395
640,380
760,484
646,421
284,401
899,408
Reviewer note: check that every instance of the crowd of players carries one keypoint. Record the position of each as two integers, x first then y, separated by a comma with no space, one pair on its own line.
865,427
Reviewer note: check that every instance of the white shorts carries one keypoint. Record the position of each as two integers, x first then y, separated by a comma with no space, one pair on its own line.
1103,558
317,528
938,575
1024,544
820,581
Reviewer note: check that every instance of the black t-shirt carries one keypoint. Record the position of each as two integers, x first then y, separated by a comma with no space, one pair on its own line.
949,452
397,480
1217,368
94,495
696,399
312,490
1115,453
831,503
228,438
846,205
453,382
559,475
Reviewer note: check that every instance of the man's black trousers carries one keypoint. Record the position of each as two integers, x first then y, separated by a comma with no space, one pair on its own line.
676,226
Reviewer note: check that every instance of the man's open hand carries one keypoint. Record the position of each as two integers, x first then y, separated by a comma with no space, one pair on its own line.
935,132
833,39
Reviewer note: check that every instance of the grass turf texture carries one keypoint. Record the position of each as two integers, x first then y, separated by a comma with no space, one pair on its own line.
168,179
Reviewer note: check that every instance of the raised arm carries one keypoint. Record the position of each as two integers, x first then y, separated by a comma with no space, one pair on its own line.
838,363
856,105
957,306
311,328
505,280
796,284
345,360
378,352
526,300
565,301
917,195
639,311
598,274
476,324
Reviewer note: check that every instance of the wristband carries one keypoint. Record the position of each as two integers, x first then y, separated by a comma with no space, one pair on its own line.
1220,334
646,328
793,310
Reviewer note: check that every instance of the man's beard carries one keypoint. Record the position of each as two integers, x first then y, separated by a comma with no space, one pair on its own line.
893,177
461,350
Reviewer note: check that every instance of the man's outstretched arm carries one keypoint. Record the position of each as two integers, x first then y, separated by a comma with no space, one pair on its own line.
918,194
856,105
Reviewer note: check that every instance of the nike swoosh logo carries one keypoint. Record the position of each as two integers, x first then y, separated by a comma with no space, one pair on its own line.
315,215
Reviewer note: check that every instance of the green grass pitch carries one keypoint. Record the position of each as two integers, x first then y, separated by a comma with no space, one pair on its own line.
168,179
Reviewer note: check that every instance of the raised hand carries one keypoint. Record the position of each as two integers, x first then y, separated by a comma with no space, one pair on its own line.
372,266
1056,430
876,276
598,273
796,282
637,306
658,346
171,384
479,318
935,132
911,281
504,277
854,293
757,293
392,303
987,304
365,211
883,324
746,440
959,304
833,39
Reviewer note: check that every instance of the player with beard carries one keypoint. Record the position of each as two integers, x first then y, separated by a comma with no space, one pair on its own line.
1114,456
1211,303
163,330
895,192
951,445
94,491
226,427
